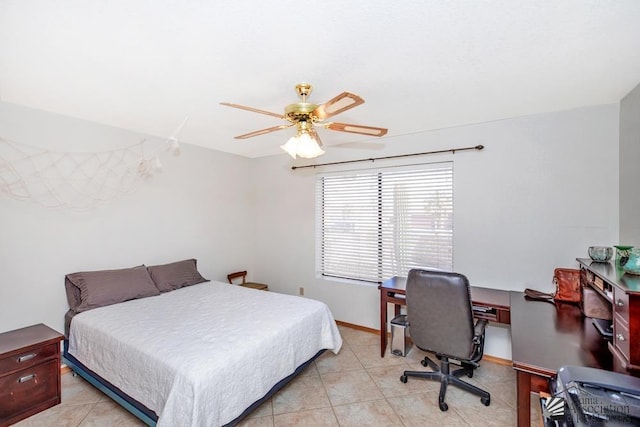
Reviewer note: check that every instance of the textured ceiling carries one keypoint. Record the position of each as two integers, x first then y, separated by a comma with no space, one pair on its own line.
145,65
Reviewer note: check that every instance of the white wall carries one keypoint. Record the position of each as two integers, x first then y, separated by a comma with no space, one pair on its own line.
198,207
543,190
629,170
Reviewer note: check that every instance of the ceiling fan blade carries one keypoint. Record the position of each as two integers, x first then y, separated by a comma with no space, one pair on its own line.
315,136
337,105
255,110
262,131
362,130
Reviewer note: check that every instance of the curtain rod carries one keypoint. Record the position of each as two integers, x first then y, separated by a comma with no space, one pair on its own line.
373,159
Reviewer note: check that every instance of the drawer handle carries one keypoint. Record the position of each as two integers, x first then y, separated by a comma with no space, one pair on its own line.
26,357
620,303
620,337
26,378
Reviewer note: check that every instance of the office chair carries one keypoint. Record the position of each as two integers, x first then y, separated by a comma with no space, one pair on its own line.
441,321
243,274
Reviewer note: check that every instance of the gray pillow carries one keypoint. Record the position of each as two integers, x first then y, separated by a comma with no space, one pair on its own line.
175,275
106,287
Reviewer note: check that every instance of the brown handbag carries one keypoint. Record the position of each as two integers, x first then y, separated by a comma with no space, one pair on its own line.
567,281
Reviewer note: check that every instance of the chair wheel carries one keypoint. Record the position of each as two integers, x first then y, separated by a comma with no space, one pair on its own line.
486,401
470,374
424,363
443,406
403,379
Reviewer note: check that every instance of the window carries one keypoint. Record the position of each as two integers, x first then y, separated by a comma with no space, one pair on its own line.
373,225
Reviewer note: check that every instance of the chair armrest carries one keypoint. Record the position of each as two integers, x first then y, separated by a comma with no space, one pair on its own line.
481,324
478,340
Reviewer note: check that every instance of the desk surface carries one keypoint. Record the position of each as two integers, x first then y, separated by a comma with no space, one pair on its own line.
497,297
546,336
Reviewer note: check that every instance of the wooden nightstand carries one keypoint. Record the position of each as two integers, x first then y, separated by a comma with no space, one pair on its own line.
29,372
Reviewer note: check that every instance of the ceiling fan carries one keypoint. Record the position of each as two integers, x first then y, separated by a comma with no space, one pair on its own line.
306,117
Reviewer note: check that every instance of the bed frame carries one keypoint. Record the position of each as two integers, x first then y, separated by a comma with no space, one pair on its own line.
145,414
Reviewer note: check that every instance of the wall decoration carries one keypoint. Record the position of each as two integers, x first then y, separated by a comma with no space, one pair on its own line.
77,180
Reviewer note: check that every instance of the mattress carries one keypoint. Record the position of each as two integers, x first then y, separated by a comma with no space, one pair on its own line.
201,355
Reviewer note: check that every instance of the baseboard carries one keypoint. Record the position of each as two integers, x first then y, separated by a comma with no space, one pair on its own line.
498,360
487,357
358,327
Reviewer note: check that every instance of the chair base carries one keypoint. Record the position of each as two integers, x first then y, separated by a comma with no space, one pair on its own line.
441,373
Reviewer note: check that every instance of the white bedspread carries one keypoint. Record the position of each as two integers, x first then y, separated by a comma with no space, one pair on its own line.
200,355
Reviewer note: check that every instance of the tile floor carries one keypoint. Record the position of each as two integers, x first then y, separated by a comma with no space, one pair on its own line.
355,388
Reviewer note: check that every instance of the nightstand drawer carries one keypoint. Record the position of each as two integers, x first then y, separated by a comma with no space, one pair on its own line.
27,359
19,391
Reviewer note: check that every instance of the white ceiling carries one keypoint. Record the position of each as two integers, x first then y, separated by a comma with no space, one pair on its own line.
145,65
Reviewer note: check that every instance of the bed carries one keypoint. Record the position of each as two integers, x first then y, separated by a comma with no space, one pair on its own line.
201,354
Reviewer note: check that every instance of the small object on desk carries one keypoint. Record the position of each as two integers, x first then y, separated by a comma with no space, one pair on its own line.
599,283
622,254
632,266
600,253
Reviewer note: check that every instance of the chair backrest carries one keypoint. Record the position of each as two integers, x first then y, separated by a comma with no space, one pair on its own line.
439,312
231,277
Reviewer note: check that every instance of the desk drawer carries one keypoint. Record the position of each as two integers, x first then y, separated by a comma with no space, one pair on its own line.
23,389
28,358
621,304
621,336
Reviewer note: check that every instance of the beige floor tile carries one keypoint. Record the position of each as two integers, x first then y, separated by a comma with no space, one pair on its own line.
369,356
356,337
108,414
505,391
312,369
257,422
387,378
421,409
371,414
76,390
323,417
536,411
266,409
472,410
491,372
350,387
346,360
59,416
301,394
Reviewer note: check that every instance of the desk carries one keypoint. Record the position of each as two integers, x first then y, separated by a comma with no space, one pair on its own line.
492,304
546,336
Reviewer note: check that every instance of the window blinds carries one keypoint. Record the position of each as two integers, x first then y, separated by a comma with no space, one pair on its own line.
372,225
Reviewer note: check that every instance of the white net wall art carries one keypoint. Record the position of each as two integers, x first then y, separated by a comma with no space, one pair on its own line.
76,180
72,180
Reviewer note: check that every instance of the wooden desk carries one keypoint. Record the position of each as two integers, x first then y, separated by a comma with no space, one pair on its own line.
492,304
546,336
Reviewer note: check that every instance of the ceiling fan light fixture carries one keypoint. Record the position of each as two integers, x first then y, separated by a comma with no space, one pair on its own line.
308,147
291,146
303,145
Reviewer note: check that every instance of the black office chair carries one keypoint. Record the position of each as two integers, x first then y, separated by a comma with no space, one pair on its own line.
441,320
